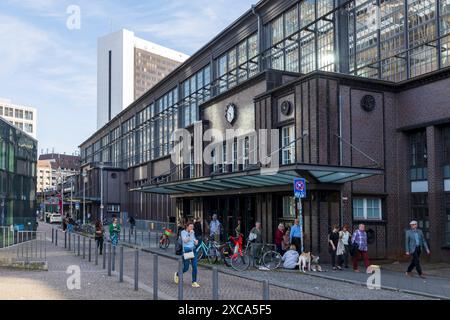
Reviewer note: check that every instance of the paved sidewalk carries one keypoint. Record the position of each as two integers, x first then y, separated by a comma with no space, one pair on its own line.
248,285
52,284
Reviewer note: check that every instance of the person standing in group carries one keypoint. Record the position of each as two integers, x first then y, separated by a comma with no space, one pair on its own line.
198,231
238,229
114,232
255,237
415,242
99,231
286,240
189,242
70,224
279,234
296,236
215,228
333,240
132,223
344,240
359,238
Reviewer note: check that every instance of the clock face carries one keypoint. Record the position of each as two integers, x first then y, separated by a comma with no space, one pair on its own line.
230,113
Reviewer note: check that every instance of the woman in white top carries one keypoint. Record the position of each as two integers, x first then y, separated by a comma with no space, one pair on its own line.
344,245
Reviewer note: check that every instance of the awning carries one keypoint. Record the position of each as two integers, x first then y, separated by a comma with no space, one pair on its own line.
258,179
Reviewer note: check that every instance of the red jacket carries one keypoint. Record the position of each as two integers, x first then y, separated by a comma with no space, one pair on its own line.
279,237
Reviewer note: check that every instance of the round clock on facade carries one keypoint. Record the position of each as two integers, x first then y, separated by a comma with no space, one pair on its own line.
286,108
230,113
368,103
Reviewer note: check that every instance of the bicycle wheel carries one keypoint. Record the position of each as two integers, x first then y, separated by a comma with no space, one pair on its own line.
213,255
240,262
271,260
167,243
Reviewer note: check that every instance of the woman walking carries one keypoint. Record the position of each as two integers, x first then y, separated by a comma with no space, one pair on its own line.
114,232
99,235
189,242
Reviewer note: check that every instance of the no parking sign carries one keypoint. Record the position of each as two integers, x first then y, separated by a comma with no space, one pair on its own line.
300,188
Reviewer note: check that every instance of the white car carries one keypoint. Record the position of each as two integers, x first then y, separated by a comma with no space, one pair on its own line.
55,218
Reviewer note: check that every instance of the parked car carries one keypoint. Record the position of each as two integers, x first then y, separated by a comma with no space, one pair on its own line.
55,218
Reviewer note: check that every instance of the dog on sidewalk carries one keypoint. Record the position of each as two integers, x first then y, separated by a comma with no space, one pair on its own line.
306,259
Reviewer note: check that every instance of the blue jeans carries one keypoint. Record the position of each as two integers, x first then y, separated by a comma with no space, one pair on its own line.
193,262
70,228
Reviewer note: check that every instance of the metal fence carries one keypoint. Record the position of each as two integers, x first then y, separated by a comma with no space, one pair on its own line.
112,260
23,246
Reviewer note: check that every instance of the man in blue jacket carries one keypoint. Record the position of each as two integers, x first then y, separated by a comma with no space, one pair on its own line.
296,236
415,242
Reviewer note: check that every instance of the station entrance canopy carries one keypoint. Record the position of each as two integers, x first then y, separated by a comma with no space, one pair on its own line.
255,179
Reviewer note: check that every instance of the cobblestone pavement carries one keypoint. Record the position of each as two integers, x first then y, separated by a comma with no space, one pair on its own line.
244,285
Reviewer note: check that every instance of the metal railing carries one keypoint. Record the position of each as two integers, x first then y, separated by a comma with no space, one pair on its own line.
23,246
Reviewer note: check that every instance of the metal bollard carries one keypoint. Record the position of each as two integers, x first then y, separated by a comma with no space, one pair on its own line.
136,270
129,235
266,290
84,248
90,248
104,255
79,245
155,277
96,254
215,283
135,236
53,236
65,240
56,237
70,242
74,243
113,268
180,279
121,265
109,259
149,244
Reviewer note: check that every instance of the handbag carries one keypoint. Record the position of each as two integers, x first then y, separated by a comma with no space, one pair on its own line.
188,255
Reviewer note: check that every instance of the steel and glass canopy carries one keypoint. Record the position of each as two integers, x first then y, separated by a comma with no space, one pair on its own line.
257,178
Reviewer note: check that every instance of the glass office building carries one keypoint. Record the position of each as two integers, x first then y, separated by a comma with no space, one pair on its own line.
18,157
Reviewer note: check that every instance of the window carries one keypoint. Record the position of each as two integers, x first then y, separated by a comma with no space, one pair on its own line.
419,212
447,218
195,91
367,209
287,145
418,156
289,207
113,208
238,64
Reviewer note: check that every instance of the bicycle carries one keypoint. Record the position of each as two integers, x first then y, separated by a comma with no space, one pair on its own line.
264,256
164,240
208,249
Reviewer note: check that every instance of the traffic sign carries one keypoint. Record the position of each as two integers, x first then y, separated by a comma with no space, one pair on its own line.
77,206
300,188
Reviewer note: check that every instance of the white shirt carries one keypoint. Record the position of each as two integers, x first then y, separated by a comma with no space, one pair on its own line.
345,237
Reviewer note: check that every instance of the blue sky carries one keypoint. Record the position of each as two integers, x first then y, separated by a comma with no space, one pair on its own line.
45,65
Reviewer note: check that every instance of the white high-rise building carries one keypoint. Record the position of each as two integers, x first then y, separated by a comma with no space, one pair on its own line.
127,67
25,118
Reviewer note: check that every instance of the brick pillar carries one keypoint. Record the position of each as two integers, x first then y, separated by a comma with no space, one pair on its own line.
435,191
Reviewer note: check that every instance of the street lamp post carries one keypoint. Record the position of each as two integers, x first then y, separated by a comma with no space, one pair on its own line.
71,196
84,196
101,192
62,192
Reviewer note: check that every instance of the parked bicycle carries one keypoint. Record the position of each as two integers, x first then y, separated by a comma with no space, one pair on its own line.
208,249
164,240
263,256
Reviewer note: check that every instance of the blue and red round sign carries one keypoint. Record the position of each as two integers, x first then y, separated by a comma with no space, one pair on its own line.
300,188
